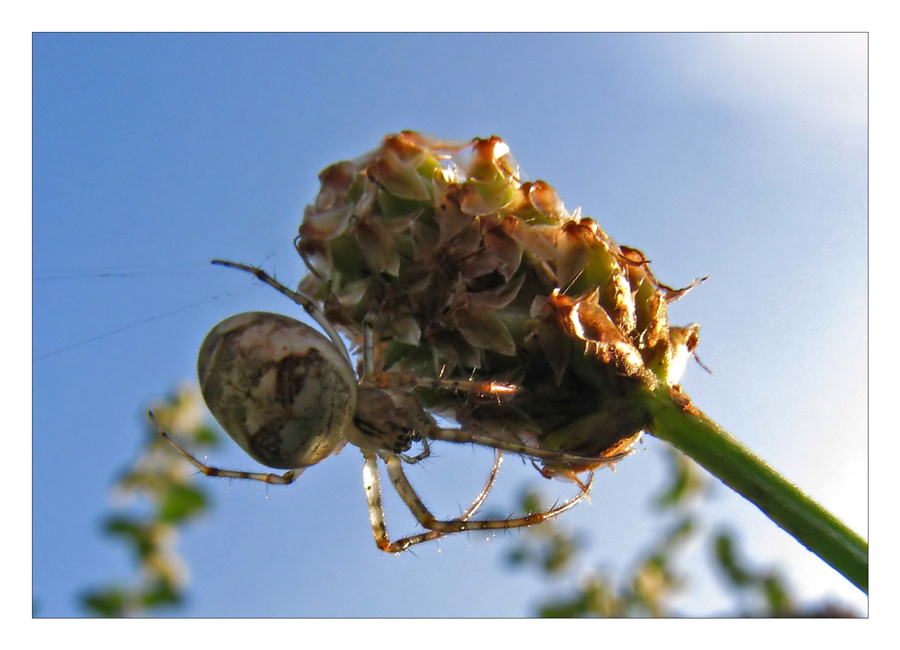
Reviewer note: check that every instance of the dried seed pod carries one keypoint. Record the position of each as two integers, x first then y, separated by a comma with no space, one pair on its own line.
471,272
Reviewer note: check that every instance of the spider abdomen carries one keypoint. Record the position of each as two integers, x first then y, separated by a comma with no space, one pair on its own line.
279,388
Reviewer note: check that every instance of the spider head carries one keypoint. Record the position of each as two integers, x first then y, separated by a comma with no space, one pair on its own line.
280,389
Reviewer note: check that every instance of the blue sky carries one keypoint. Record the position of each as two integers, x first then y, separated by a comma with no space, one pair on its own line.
741,157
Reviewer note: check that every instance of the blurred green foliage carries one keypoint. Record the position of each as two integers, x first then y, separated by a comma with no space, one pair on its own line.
653,582
154,498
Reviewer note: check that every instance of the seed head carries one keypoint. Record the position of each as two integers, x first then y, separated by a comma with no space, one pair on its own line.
471,271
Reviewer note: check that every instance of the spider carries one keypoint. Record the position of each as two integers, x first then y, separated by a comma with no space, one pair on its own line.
289,397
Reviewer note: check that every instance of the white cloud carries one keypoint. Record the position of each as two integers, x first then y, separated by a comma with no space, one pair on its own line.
819,78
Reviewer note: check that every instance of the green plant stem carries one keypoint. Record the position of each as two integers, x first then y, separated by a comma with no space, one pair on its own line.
683,426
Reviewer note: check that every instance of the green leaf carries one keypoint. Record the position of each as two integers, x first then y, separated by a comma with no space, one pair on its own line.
206,436
159,594
181,502
141,535
109,603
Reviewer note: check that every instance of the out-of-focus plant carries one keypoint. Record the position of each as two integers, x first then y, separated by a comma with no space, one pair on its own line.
155,497
655,579
652,582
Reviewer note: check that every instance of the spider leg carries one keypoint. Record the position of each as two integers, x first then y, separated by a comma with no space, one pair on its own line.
278,479
427,520
369,347
372,483
400,380
308,304
463,436
425,453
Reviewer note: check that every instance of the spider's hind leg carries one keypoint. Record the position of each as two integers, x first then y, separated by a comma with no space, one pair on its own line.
278,479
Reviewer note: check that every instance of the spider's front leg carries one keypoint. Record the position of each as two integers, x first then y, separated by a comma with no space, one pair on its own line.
309,305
